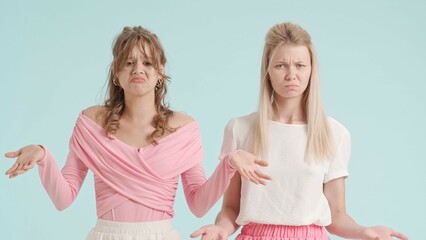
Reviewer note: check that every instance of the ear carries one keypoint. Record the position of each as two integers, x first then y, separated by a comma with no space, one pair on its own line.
161,70
112,70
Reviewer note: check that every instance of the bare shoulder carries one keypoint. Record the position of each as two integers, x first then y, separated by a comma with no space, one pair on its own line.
95,113
180,119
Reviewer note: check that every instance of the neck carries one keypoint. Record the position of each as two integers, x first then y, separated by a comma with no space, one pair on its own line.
289,111
139,109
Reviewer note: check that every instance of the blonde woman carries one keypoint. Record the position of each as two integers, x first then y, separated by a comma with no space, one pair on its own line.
137,148
307,153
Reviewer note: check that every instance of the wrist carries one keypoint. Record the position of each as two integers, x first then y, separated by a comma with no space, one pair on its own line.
232,158
227,226
224,229
41,147
362,233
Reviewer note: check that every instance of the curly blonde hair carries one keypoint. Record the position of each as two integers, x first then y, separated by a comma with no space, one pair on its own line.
114,103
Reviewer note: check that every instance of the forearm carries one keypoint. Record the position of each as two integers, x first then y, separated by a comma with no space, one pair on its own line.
62,187
226,220
344,226
202,194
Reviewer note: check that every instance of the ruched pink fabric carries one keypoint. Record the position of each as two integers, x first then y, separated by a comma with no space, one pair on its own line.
135,184
255,231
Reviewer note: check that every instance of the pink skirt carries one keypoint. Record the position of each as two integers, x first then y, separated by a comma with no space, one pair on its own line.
255,231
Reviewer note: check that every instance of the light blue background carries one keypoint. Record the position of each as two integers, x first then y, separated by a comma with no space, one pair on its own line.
54,59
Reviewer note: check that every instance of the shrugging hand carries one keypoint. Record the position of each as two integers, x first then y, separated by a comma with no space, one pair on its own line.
210,232
381,233
27,157
246,164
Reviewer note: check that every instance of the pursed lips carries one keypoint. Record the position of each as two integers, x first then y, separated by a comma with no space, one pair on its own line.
291,86
138,80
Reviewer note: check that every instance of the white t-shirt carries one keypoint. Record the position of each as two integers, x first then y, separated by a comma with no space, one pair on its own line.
295,195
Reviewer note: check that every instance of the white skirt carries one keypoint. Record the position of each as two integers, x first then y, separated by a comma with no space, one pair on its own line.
156,230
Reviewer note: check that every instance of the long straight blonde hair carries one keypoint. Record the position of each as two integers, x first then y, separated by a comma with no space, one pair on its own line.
320,145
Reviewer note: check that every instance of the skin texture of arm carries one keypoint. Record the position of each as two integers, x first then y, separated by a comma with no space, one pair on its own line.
230,206
343,225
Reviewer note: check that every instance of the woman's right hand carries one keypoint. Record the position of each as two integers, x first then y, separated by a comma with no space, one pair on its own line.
27,157
210,232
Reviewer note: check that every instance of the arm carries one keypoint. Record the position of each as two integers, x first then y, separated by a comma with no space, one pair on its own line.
62,187
225,221
200,194
230,207
343,225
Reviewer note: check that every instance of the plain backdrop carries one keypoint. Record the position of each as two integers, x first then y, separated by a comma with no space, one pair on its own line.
54,58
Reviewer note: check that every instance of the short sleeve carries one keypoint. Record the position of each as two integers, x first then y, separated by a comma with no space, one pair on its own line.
339,164
229,144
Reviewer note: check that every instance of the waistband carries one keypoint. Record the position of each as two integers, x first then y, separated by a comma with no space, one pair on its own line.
133,228
283,232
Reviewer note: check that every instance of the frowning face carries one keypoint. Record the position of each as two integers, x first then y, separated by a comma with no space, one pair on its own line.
290,71
138,77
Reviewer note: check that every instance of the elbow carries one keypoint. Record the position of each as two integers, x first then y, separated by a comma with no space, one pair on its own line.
334,226
339,219
61,206
62,200
199,207
199,213
60,209
331,229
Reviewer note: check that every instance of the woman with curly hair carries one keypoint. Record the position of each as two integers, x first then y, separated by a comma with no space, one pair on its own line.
136,148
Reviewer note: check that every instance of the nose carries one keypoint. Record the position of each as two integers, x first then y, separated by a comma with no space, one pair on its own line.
290,75
138,68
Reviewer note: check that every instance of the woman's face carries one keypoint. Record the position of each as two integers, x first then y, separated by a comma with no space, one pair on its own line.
138,77
290,71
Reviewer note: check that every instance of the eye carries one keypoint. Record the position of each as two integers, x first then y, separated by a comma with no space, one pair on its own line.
146,63
300,65
279,66
129,63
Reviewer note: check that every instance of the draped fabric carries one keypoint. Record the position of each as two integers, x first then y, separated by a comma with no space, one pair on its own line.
135,184
136,173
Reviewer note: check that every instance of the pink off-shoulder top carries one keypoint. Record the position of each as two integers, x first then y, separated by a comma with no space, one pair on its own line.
131,184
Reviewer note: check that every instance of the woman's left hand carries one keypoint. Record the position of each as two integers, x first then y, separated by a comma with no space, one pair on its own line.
381,233
246,164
